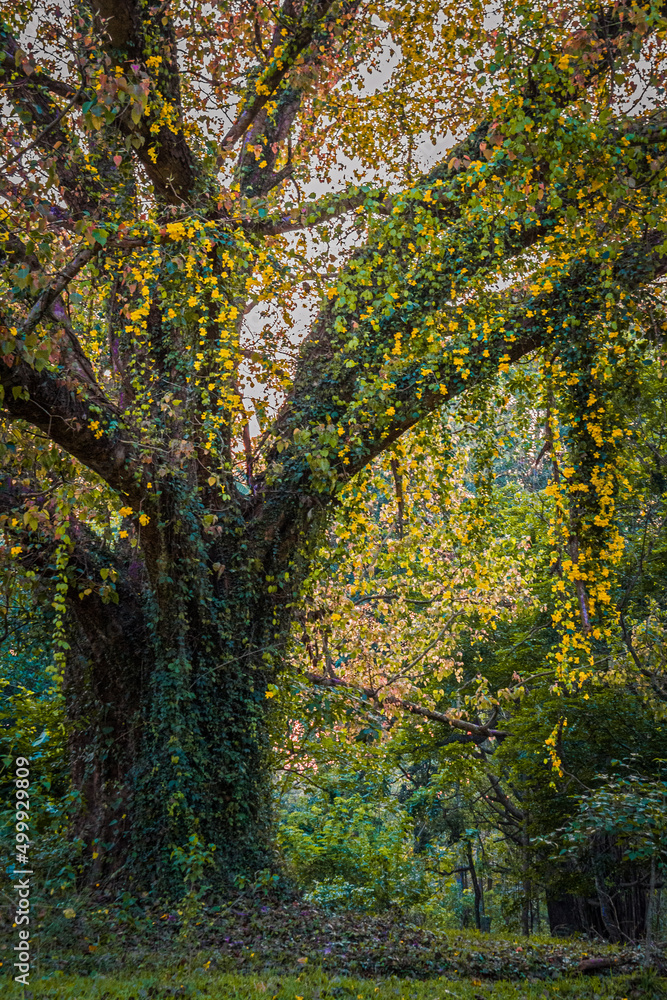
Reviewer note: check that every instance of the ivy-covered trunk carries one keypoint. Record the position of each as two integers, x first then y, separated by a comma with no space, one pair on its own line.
166,696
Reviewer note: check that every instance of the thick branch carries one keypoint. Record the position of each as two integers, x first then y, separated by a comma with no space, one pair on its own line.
476,729
332,381
59,407
134,35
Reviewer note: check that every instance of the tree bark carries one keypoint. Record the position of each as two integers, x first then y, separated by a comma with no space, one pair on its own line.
526,883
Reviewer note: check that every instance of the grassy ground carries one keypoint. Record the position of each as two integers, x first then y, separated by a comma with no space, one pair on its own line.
316,985
284,950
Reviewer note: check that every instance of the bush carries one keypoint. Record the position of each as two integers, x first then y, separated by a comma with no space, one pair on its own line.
353,852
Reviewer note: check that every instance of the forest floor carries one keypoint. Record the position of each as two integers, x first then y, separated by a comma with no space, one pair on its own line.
256,950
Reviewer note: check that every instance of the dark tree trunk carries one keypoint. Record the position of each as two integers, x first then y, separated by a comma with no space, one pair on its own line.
622,889
527,889
617,905
570,914
477,889
165,745
108,668
166,694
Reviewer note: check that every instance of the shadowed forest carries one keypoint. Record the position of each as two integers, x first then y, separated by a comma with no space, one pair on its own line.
333,499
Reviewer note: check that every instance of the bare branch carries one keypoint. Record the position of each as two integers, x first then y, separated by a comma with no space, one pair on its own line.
506,802
467,727
38,141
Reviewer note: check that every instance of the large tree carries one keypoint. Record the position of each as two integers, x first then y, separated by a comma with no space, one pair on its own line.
150,157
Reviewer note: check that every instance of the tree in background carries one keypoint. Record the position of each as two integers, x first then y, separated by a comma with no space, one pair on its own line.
155,166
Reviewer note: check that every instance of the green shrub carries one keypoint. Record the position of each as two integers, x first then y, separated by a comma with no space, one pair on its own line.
354,852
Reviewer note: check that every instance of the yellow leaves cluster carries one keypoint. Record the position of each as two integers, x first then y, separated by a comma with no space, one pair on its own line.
551,744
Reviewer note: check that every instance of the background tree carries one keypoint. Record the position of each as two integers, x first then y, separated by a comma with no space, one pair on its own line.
149,160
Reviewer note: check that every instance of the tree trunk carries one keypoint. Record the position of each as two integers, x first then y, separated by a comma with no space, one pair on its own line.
178,746
166,694
477,889
607,910
525,910
621,886
570,914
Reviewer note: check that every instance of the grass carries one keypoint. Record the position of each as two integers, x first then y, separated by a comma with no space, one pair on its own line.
316,985
284,950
